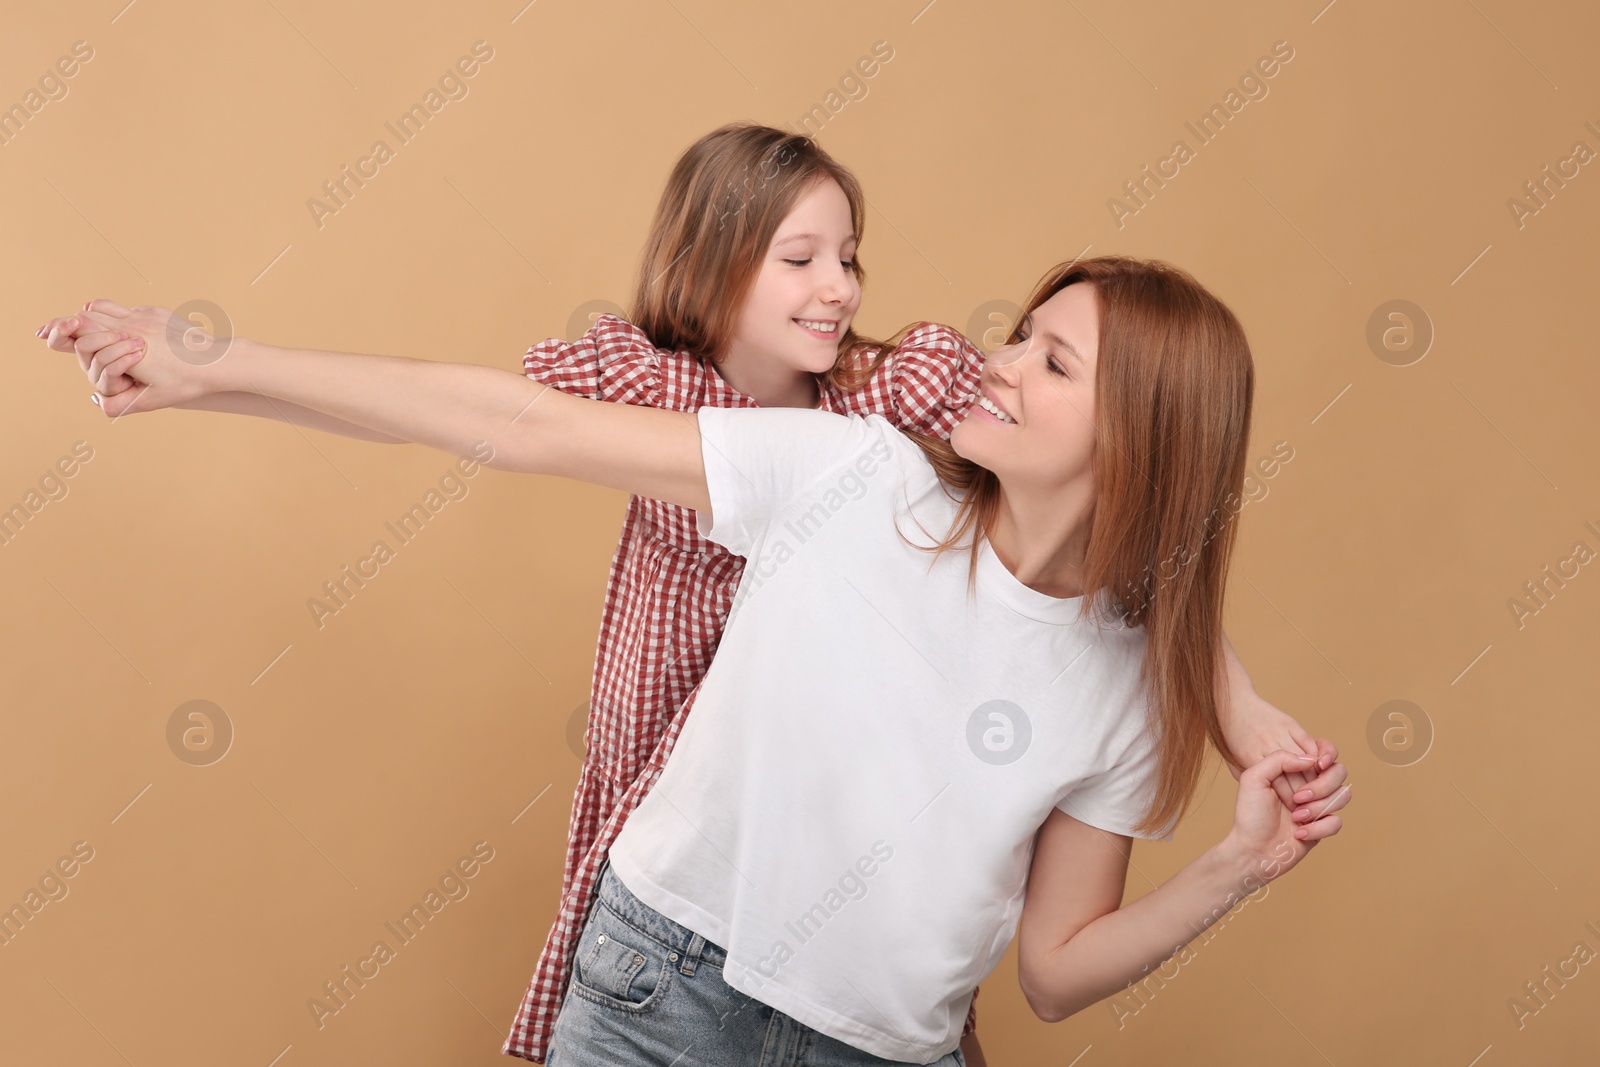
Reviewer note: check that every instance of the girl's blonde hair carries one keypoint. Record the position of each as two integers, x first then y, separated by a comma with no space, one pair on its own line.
725,198
1173,390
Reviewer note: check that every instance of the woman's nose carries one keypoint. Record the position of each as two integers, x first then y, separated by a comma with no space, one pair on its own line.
1009,358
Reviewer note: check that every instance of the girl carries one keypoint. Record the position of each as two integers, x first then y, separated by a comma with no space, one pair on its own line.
991,731
738,191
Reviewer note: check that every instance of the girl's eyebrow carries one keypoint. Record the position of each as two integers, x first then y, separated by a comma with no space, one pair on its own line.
805,236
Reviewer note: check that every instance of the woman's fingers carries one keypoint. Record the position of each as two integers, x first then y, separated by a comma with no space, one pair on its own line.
128,400
96,349
1286,784
1270,766
1322,785
114,377
1317,831
108,307
55,332
89,345
62,333
1314,811
111,362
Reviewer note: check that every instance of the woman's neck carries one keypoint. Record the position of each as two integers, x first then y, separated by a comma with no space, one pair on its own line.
1041,538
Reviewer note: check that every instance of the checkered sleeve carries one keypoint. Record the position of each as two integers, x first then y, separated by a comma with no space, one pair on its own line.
613,361
925,383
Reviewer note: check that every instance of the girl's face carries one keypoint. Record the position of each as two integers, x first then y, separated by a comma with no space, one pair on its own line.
1045,386
806,291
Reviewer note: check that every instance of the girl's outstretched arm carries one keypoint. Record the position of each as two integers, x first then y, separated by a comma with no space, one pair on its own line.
453,407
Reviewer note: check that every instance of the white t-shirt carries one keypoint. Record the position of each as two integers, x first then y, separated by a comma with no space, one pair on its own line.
851,806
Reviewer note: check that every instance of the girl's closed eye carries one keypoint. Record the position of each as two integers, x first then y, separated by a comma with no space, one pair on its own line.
847,264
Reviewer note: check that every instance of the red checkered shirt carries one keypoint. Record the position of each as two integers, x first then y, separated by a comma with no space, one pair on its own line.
669,593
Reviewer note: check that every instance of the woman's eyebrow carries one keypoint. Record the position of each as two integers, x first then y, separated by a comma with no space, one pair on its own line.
1068,345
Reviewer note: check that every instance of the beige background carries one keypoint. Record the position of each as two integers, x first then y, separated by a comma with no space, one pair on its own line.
433,711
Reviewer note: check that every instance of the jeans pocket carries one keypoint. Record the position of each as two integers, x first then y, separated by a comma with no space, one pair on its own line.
618,967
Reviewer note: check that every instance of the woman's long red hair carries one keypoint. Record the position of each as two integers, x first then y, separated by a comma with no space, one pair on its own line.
1173,390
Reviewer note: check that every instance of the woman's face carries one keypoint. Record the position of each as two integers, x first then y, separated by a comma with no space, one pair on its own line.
1045,386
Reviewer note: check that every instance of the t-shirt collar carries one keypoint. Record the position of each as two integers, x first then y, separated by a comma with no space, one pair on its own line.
1005,587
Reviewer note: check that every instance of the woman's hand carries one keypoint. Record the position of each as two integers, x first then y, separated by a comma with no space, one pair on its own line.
1255,728
138,359
1267,837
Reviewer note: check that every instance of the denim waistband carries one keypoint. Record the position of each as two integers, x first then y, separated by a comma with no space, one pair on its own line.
690,946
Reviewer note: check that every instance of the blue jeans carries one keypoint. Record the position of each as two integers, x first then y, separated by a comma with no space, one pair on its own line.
647,992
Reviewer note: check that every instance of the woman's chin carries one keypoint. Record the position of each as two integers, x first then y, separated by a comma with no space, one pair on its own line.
967,444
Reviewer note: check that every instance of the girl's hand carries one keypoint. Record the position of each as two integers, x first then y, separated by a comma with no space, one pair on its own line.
138,359
1266,836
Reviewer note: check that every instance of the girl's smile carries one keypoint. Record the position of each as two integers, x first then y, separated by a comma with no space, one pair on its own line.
822,329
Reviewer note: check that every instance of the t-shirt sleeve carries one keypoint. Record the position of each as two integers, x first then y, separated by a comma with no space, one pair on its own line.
613,361
1118,797
925,384
761,461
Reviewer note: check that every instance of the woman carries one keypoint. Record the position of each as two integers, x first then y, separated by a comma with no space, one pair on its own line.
972,743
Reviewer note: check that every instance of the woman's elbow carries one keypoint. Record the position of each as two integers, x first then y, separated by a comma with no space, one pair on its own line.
1051,1010
1036,991
1045,1013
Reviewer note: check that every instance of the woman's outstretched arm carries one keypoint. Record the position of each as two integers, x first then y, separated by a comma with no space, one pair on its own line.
282,411
453,407
67,334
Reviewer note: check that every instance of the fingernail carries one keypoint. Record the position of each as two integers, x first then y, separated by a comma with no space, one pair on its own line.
1304,794
39,332
94,398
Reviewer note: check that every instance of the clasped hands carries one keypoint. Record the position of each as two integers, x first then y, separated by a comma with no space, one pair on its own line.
138,359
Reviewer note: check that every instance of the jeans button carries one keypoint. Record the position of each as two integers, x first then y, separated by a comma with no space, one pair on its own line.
601,939
673,957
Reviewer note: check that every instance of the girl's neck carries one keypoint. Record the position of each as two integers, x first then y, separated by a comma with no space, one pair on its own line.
769,386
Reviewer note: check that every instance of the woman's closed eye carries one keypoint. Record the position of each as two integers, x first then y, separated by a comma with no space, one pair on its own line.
1049,361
